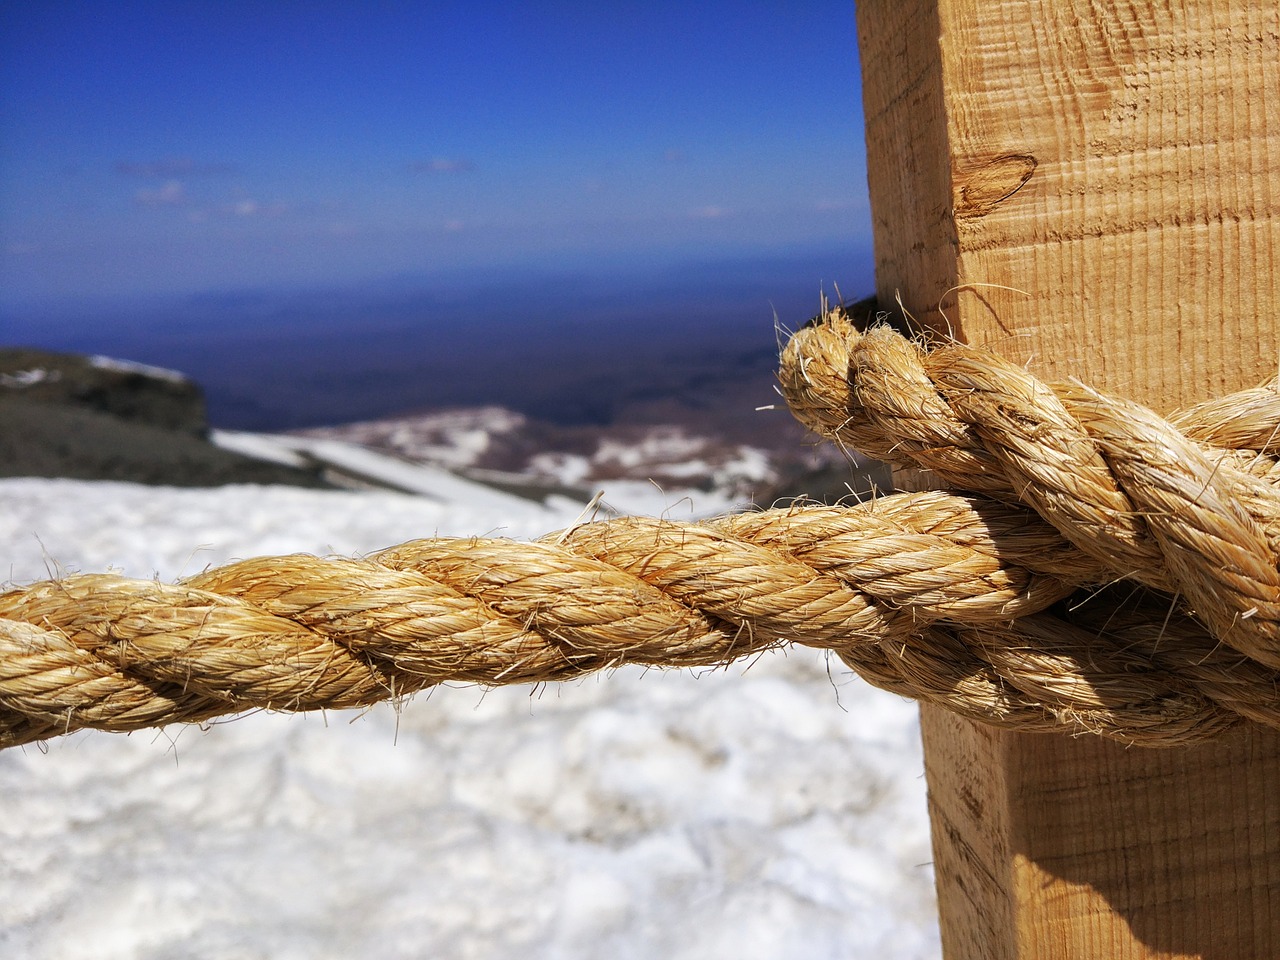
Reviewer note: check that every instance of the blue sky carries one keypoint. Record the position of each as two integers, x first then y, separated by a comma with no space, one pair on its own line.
165,148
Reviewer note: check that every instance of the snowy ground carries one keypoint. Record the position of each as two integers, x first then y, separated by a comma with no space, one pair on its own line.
763,811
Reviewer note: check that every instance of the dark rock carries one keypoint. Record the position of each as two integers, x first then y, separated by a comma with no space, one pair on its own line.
132,392
49,440
71,416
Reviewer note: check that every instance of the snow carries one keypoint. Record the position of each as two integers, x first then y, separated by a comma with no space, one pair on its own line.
566,468
663,445
22,379
261,446
369,468
769,809
451,438
132,366
418,478
750,464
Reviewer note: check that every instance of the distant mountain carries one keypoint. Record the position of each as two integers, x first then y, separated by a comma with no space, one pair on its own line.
538,458
698,421
616,343
696,413
98,418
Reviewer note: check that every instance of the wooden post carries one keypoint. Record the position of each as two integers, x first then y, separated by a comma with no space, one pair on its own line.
1113,170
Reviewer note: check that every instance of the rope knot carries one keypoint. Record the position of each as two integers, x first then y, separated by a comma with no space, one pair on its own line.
1150,500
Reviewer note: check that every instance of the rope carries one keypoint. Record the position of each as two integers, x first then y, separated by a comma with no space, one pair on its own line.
1148,499
973,602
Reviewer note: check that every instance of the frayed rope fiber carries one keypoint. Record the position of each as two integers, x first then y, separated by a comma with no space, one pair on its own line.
1097,569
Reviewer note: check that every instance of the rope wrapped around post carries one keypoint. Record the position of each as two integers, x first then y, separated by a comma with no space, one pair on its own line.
1099,569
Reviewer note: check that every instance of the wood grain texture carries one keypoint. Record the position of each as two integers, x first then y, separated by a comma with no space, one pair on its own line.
1118,167
1048,847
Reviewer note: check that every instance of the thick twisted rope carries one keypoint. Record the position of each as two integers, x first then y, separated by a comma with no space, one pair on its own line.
952,599
1148,499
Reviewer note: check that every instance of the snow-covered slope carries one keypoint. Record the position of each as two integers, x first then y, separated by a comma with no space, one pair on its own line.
352,464
685,454
365,467
769,810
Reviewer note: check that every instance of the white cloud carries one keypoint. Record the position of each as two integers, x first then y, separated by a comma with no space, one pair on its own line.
249,207
169,194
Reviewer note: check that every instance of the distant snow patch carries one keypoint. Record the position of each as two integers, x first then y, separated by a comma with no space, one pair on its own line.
260,446
29,378
130,366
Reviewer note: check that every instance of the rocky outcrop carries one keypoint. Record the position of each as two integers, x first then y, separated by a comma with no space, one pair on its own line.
94,418
129,391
